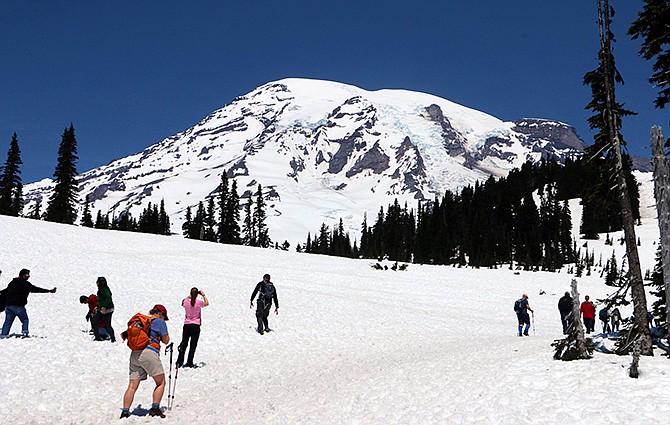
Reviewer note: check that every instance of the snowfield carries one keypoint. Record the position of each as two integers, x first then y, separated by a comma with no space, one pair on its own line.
351,345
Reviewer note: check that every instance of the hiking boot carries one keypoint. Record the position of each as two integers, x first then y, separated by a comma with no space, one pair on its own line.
188,365
268,330
525,333
520,334
156,412
124,414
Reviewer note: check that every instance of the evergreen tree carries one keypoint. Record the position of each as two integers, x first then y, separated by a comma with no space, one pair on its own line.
62,206
232,235
210,222
87,218
262,235
36,212
652,27
224,199
249,226
187,226
101,221
163,220
11,188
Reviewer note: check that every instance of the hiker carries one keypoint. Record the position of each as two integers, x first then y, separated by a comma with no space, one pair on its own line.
615,317
105,310
588,311
604,316
193,306
266,293
17,298
565,308
92,301
522,308
147,362
650,319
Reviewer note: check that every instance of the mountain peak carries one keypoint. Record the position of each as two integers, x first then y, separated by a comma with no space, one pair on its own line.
324,150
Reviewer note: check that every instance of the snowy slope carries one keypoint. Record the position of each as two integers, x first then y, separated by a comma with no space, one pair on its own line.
351,344
322,151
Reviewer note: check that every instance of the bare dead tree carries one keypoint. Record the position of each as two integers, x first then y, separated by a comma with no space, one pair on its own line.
640,328
662,195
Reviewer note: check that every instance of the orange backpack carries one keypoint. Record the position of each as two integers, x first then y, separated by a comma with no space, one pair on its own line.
138,331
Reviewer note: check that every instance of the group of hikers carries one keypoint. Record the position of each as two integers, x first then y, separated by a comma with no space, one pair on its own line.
145,361
610,319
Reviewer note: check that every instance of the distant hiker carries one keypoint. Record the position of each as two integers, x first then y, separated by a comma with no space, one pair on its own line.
92,302
105,310
588,311
193,306
16,300
147,362
615,317
565,308
521,307
604,316
266,293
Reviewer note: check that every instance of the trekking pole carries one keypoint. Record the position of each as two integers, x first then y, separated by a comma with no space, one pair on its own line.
169,348
174,389
532,314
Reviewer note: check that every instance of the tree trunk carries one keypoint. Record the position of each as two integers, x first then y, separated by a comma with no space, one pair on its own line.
577,330
640,327
662,195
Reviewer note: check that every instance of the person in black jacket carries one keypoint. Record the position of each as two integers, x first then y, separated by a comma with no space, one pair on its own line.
565,308
266,293
17,298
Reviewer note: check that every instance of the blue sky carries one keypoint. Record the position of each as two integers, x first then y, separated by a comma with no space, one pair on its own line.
128,74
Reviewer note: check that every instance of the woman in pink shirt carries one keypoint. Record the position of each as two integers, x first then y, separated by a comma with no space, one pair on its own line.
192,323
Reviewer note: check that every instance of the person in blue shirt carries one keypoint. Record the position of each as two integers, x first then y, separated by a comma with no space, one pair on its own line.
146,362
522,314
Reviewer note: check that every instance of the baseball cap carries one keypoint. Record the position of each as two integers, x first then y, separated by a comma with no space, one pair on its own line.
162,309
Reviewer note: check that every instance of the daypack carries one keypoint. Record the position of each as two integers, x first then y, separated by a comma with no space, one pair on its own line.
269,291
604,315
517,306
137,333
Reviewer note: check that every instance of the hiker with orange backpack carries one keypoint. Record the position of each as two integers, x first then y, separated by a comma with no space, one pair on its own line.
144,336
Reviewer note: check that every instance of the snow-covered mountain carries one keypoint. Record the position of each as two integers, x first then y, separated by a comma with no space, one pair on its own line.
322,151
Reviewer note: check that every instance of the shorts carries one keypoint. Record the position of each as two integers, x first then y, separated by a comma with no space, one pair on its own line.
524,318
145,363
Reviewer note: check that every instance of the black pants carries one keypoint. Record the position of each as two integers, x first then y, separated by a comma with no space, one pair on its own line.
566,320
192,332
589,324
107,319
262,313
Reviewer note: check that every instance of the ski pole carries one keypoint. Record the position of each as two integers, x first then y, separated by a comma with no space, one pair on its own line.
169,348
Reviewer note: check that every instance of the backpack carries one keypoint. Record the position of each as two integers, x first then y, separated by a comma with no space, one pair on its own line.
517,306
603,314
269,291
3,299
138,331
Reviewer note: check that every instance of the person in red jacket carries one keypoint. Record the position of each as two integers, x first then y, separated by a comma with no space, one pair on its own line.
588,311
92,301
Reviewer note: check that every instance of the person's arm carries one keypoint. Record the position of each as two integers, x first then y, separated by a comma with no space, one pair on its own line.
35,289
165,338
529,309
204,298
276,300
253,294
